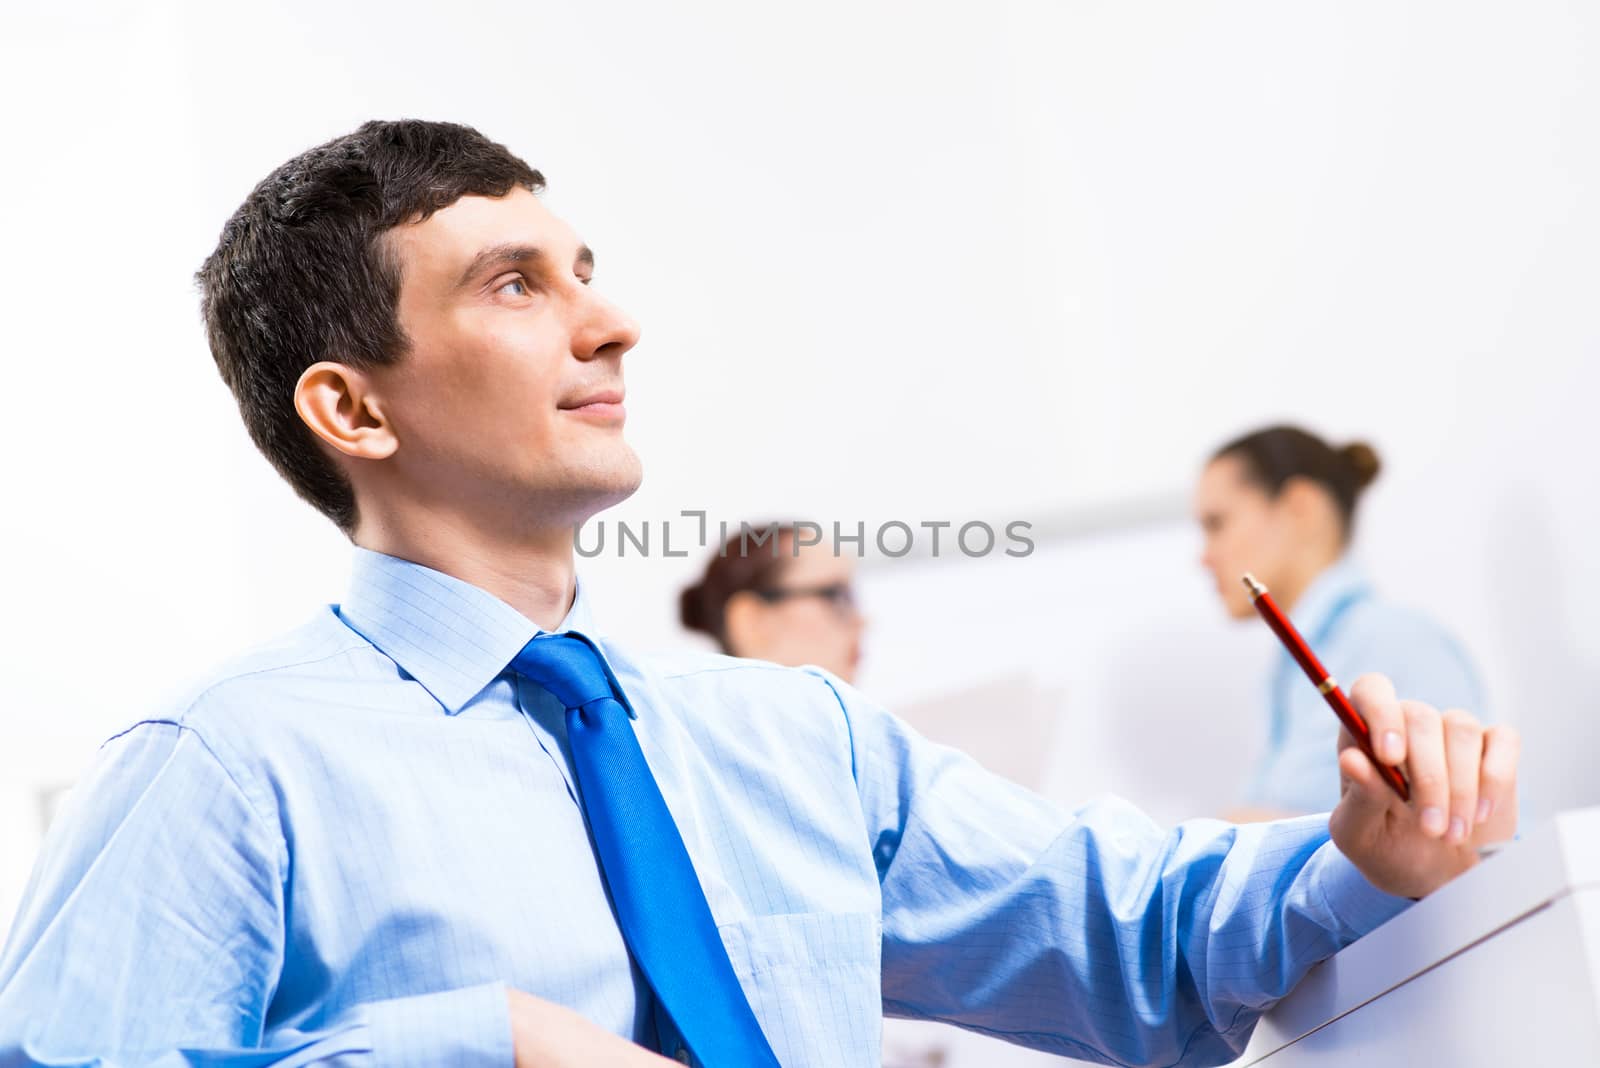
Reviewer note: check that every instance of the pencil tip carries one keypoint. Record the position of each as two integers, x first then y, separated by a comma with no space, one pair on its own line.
1255,588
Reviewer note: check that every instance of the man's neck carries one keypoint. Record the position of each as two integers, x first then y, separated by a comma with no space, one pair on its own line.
532,572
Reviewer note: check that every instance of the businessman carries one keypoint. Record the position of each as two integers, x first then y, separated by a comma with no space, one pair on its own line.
449,821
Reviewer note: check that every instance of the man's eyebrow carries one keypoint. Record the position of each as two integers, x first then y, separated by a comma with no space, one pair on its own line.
513,252
498,256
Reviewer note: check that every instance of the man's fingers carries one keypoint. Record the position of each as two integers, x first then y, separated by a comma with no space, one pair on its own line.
1373,696
1359,772
1426,766
1366,796
1463,750
1497,778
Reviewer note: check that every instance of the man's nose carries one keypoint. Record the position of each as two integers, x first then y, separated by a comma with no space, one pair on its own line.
605,330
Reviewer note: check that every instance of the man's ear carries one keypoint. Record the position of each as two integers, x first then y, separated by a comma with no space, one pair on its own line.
338,403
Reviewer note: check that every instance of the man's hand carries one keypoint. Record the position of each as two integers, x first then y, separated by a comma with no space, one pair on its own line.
547,1035
1463,791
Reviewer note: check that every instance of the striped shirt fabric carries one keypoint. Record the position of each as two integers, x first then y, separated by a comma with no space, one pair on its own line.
346,846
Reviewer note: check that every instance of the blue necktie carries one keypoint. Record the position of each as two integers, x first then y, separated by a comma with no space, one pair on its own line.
657,897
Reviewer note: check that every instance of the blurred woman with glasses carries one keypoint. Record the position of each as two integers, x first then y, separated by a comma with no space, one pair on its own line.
773,601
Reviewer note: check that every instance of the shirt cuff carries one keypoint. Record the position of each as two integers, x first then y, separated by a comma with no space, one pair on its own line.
465,1028
1361,907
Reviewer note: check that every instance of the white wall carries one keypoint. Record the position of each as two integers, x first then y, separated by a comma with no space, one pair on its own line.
893,261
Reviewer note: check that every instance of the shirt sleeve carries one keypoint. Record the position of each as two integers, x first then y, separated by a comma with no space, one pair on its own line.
151,933
1090,933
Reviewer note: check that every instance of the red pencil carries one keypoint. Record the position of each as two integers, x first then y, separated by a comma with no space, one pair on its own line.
1325,683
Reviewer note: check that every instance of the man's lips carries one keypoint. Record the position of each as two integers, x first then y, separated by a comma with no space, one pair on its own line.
604,405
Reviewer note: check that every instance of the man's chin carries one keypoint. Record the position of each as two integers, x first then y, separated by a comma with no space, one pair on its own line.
602,487
616,492
626,475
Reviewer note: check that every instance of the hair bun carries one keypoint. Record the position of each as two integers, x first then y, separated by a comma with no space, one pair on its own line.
1363,460
692,608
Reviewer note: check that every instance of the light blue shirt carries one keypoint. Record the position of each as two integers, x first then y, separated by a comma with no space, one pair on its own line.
346,846
1353,632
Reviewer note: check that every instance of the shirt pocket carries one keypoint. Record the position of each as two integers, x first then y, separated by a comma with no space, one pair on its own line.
814,981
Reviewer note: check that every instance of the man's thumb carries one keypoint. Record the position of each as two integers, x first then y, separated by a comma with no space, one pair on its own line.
1368,795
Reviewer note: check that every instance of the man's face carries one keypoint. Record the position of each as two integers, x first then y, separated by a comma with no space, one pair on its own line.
508,404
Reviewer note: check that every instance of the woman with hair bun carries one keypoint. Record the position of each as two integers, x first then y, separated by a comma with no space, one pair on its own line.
1281,503
770,599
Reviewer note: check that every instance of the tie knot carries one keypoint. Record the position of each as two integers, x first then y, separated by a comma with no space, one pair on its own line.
568,665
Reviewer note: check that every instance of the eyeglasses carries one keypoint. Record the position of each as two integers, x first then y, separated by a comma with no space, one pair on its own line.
839,595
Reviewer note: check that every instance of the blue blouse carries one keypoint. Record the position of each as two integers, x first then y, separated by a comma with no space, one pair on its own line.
1353,631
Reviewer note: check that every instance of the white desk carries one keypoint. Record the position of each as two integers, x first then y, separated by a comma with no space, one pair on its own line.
1501,968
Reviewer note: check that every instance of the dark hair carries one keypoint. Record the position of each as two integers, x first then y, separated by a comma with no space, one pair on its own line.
1273,456
302,273
749,560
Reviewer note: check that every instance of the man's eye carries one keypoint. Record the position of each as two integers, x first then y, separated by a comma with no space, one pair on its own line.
517,287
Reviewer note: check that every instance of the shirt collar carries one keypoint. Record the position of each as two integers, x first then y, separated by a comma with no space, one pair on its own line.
449,635
1344,581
